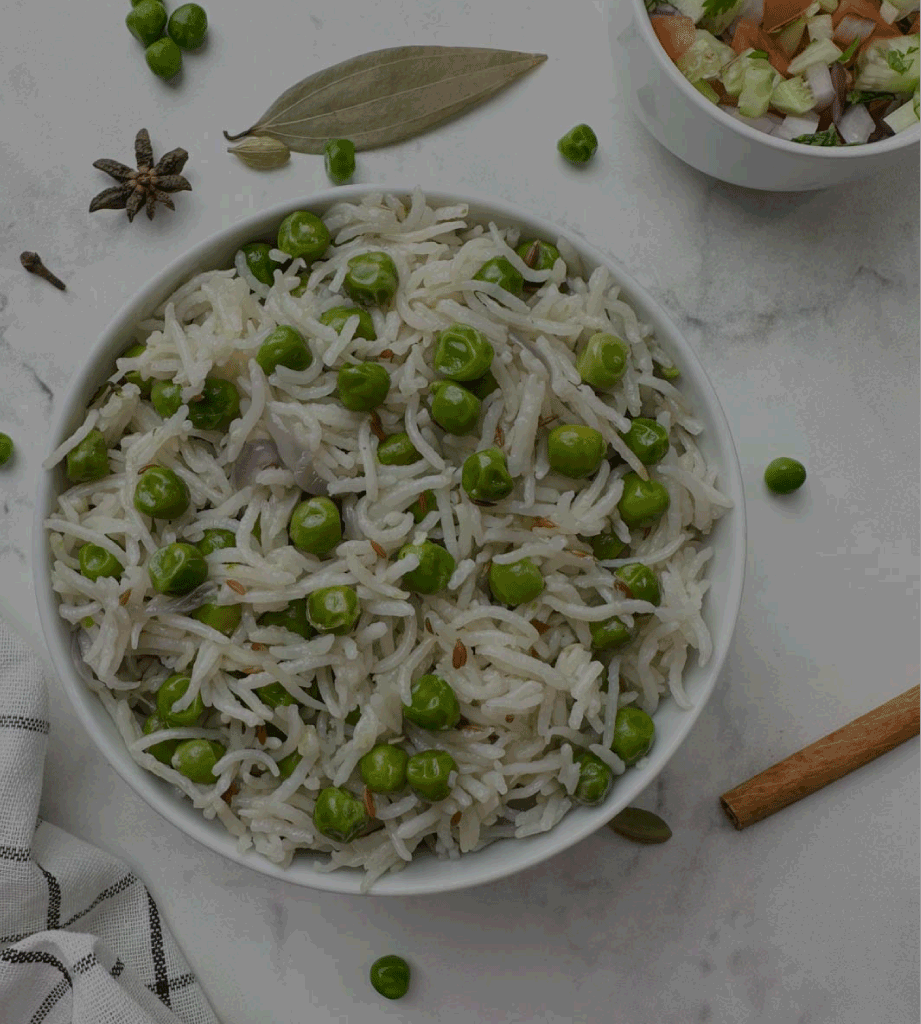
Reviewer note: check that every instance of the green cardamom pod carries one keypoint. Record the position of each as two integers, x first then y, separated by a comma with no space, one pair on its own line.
261,152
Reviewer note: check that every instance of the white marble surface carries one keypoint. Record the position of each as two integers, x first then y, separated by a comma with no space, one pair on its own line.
804,308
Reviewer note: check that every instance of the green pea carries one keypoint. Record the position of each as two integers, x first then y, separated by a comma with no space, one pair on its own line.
595,779
284,346
161,493
362,386
462,353
166,397
216,407
428,774
515,583
578,145
390,976
216,540
785,475
485,476
288,763
339,159
634,732
397,450
499,271
610,634
6,449
575,451
454,408
171,689
383,768
303,282
339,316
371,278
275,695
436,566
643,502
195,759
89,460
134,376
603,361
640,581
260,263
303,234
353,717
665,372
188,26
423,504
607,545
293,618
96,562
163,751
538,255
315,526
164,58
433,704
483,386
339,815
333,610
146,21
177,569
647,439
223,617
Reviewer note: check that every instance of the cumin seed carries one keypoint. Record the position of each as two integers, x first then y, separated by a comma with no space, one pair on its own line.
236,587
459,657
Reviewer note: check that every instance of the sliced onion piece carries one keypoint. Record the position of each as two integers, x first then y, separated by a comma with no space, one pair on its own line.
254,456
851,27
818,78
856,124
164,604
296,458
792,127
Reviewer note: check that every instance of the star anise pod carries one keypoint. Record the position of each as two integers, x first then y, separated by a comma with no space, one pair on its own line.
148,185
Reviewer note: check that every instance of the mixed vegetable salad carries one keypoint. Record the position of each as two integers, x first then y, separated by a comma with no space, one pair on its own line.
818,72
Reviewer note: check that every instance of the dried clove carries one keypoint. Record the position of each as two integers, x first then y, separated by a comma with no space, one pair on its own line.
33,263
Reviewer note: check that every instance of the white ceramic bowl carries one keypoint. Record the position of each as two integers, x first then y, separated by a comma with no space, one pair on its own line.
425,874
702,135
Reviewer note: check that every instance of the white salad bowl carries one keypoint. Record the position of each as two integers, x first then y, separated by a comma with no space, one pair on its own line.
713,141
426,874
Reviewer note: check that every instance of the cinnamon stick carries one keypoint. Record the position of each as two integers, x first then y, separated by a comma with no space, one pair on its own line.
829,758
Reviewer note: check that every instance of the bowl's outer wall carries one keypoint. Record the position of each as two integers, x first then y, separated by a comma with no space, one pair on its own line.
427,874
712,141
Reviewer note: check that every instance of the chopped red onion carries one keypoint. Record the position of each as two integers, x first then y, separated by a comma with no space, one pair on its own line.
818,78
254,456
296,458
164,604
856,124
851,27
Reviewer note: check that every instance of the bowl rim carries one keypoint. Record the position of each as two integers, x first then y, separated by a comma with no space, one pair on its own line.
579,822
901,140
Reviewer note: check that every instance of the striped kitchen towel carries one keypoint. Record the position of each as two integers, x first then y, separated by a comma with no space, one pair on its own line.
81,938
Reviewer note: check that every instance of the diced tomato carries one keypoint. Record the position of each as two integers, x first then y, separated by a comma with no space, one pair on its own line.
675,32
750,35
860,9
778,13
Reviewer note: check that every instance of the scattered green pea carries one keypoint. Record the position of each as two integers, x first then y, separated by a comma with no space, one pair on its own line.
603,361
383,768
578,145
462,353
607,545
515,583
89,460
134,376
164,750
260,263
610,633
647,439
275,695
339,316
195,759
499,271
436,566
339,159
223,617
362,386
432,704
177,569
665,372
288,763
315,526
293,618
164,58
188,26
640,581
146,21
171,690
333,610
216,407
96,562
634,732
454,408
371,278
785,475
485,476
390,976
643,502
397,450
574,450
284,346
424,503
303,234
339,815
595,779
483,386
428,774
214,539
166,397
161,493
538,255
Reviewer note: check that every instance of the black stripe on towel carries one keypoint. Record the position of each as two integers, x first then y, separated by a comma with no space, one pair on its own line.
85,963
34,956
49,1002
54,899
113,890
117,968
161,978
21,722
17,853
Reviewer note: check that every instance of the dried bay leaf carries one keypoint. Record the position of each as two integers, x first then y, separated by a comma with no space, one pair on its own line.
388,96
640,826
